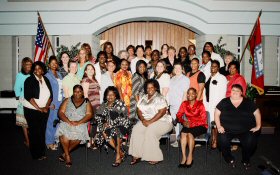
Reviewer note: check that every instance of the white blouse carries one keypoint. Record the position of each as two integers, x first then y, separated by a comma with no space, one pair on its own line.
150,107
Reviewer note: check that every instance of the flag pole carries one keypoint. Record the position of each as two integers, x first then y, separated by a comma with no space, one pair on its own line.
39,16
260,13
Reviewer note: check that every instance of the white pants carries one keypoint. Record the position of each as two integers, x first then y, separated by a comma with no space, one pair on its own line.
173,111
144,141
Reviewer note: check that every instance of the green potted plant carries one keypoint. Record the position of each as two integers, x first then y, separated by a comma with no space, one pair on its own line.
73,51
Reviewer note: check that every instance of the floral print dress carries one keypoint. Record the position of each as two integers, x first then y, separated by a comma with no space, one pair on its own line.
117,119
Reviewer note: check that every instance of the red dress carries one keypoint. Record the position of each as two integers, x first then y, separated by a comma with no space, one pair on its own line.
196,114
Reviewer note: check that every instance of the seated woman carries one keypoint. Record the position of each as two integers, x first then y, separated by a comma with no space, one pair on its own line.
154,122
237,117
195,125
112,122
74,113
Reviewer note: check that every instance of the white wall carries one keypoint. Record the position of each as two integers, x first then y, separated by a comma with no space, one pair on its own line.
92,17
6,62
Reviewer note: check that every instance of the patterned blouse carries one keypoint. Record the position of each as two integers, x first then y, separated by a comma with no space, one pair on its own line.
117,119
124,80
137,90
93,92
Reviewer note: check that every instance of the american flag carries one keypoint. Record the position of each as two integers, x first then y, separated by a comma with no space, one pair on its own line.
42,43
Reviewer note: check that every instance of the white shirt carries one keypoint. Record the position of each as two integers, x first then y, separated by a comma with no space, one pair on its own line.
133,63
217,92
215,56
205,68
43,96
97,72
177,87
150,107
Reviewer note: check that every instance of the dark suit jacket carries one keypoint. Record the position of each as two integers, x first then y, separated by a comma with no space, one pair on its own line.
32,89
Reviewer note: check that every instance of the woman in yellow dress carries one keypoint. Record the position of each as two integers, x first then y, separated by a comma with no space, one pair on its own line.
123,82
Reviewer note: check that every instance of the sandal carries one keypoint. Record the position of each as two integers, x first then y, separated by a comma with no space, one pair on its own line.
117,163
42,158
61,158
68,164
135,161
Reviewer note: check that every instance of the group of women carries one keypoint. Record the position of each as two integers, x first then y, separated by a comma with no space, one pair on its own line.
143,94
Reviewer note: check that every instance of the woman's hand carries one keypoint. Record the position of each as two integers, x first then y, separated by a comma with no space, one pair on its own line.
255,129
146,122
221,130
52,107
106,125
186,124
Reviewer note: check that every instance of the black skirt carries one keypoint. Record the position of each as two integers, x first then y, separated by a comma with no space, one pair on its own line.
195,131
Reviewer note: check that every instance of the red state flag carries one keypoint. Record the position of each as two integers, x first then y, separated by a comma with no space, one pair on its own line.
255,44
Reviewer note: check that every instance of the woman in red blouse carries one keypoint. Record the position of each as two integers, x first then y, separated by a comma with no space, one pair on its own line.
194,124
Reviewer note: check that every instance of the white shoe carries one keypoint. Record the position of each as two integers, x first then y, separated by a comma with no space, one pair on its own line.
174,144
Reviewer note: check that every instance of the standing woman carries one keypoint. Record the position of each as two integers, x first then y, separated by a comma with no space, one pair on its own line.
38,98
185,60
82,63
153,62
197,78
123,82
215,91
55,80
91,91
195,125
100,66
171,60
64,60
229,57
163,51
179,85
192,52
107,79
109,49
162,77
131,52
138,81
208,46
91,58
26,64
139,56
70,80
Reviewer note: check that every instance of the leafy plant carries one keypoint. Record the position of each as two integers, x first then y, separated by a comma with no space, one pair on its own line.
251,92
73,51
219,48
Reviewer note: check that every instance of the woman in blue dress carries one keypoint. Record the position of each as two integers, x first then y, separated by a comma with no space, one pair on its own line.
26,65
55,79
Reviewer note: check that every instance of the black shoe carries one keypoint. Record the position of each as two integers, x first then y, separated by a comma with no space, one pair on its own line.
246,165
182,165
190,165
232,164
116,164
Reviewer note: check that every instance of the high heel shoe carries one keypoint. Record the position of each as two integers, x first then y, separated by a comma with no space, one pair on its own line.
182,165
189,165
117,163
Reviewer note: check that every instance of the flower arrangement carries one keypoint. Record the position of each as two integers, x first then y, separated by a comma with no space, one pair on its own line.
73,51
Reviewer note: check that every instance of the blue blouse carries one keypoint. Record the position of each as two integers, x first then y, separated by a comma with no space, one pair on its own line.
55,87
19,84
